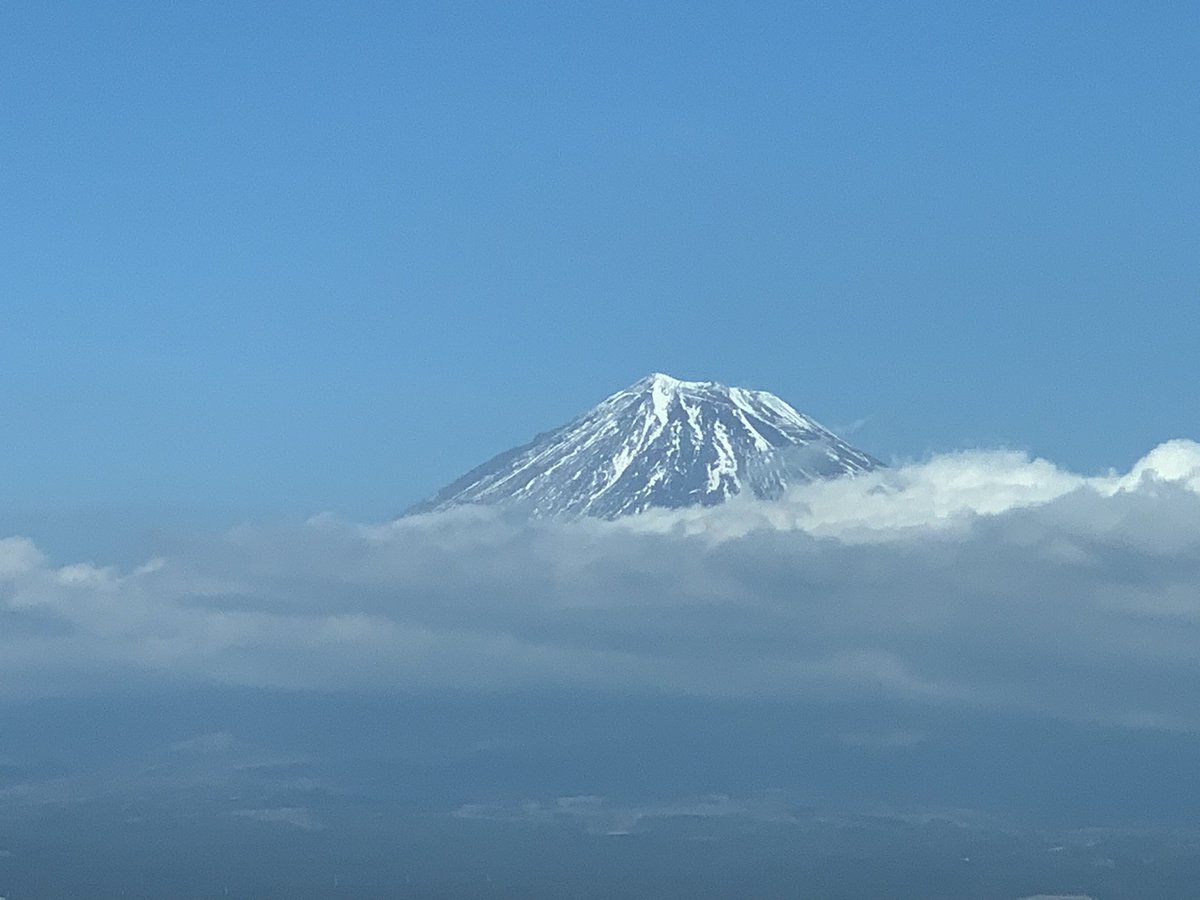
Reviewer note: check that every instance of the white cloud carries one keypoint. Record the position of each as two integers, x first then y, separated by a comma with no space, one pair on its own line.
210,742
985,579
18,556
601,815
292,816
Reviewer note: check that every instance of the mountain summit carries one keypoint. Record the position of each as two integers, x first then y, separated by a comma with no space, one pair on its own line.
661,442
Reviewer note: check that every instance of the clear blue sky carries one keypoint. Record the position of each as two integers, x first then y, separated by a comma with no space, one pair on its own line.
282,258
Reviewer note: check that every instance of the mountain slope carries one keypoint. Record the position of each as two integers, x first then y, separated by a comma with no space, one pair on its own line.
661,442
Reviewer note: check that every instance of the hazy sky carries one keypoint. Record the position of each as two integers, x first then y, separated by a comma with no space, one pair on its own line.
298,257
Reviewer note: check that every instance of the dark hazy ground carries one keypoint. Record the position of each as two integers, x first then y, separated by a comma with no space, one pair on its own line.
290,796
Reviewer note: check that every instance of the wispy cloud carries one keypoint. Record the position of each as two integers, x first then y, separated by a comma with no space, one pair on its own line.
210,742
291,816
600,815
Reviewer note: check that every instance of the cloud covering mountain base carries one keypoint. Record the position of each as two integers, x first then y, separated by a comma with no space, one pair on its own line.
982,580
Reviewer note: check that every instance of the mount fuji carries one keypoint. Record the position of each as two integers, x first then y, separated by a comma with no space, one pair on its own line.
660,442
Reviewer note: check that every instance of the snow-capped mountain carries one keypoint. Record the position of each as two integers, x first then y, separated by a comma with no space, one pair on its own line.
661,442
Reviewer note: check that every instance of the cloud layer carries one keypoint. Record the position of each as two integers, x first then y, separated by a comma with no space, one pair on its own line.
980,579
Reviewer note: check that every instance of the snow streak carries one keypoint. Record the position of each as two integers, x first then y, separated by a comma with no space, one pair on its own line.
663,443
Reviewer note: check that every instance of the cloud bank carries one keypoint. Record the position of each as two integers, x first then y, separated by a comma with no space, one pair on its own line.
985,579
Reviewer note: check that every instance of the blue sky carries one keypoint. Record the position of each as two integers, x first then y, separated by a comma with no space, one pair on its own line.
259,261
275,259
